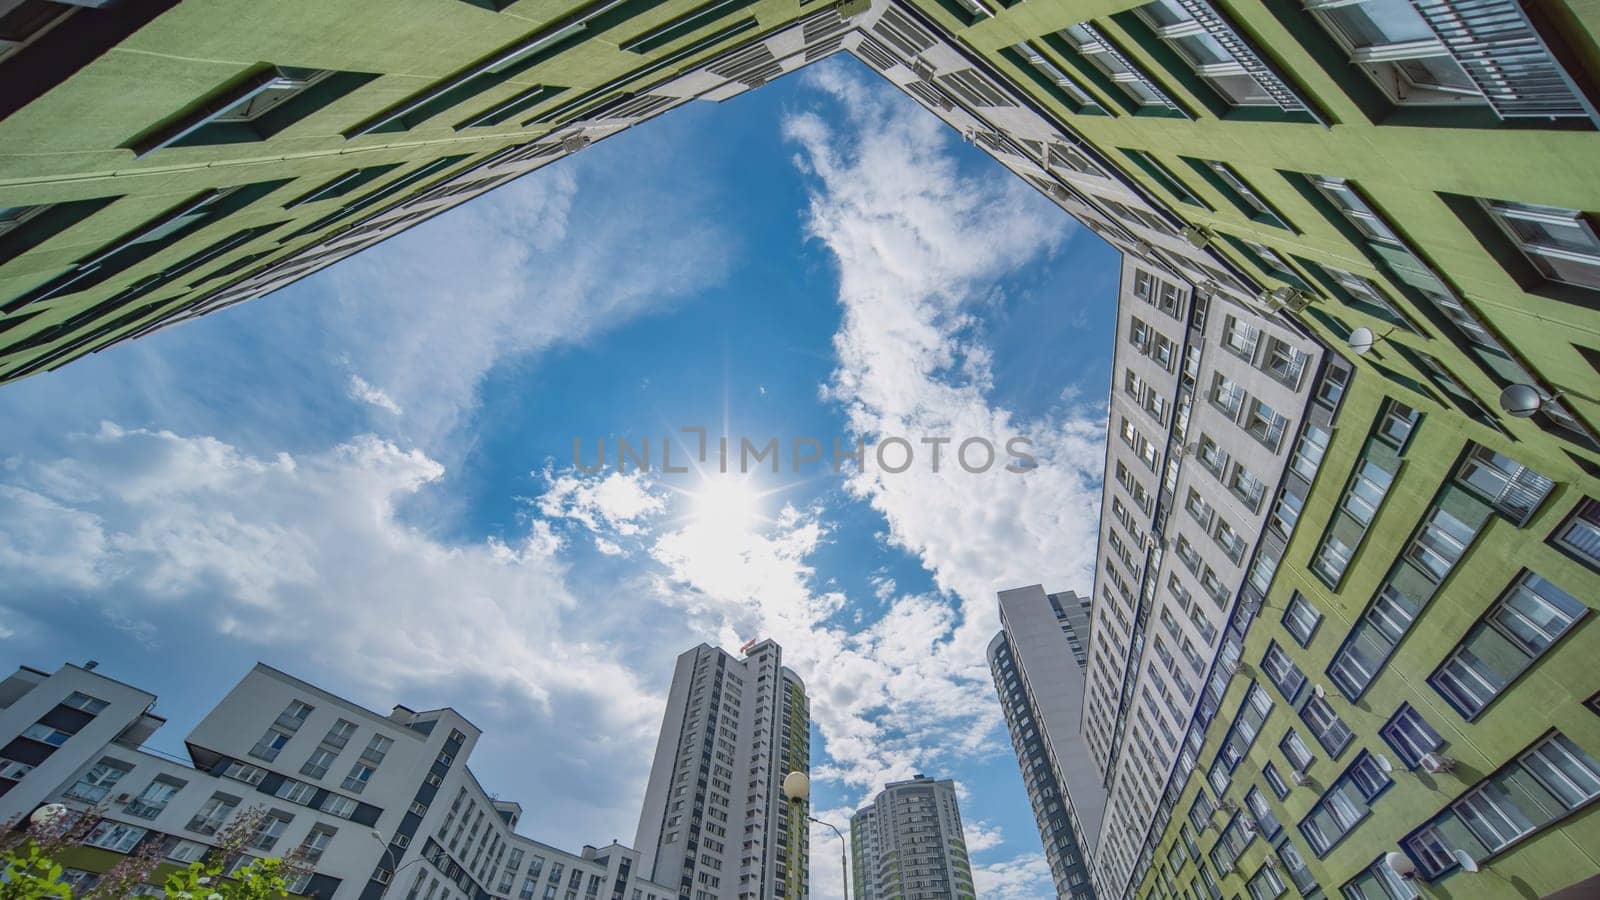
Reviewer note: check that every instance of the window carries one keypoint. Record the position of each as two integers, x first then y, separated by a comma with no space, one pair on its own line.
296,791
1514,490
316,843
1345,805
1269,773
183,851
1301,619
213,813
1332,558
13,770
246,773
1410,735
337,805
252,110
1282,672
1560,243
270,744
360,773
1527,620
317,764
1214,52
1295,750
1308,452
109,835
1367,489
268,830
1394,45
1264,424
1260,810
98,781
1548,781
1326,726
155,797
1240,193
90,705
1226,395
1397,424
1379,882
1265,884
1137,89
44,734
1580,534
1440,544
1240,338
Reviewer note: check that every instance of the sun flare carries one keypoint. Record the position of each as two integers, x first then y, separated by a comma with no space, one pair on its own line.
728,504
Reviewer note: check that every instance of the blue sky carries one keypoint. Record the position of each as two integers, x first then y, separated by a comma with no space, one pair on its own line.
366,479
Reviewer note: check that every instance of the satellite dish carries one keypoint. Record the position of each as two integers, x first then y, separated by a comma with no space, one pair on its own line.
1361,340
1521,400
1465,861
1383,763
1319,690
1400,863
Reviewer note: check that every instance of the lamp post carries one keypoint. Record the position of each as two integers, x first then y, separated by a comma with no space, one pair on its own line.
797,787
392,861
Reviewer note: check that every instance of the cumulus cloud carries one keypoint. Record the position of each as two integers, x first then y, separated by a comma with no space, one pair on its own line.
525,269
148,527
1023,877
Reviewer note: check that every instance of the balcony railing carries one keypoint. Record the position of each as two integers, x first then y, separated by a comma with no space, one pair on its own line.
1244,54
1504,56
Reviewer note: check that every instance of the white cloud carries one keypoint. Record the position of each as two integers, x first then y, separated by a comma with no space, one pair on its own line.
366,393
1024,877
172,538
525,269
982,836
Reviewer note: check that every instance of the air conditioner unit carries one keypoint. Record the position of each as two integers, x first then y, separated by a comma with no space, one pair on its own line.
1435,762
1300,778
1272,861
1284,297
852,8
575,143
922,69
1229,669
123,799
382,876
1198,238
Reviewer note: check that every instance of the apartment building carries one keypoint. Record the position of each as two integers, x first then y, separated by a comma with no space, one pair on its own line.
908,844
376,803
1038,661
715,822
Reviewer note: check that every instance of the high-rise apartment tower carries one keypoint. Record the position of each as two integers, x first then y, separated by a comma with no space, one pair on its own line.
715,822
1038,661
909,845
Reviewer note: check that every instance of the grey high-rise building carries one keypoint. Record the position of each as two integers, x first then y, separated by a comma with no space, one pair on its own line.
908,844
715,822
1038,661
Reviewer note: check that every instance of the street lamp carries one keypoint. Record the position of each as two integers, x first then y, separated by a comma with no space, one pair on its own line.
44,815
395,863
797,787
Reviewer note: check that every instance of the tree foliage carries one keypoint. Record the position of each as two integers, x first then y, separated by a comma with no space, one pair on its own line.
30,867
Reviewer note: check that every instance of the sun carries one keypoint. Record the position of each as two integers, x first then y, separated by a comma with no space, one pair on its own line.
726,504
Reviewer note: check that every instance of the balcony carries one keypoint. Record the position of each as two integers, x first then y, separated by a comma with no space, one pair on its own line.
1504,57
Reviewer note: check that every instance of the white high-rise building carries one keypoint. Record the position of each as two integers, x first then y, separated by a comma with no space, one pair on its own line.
908,844
1038,661
378,804
715,822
